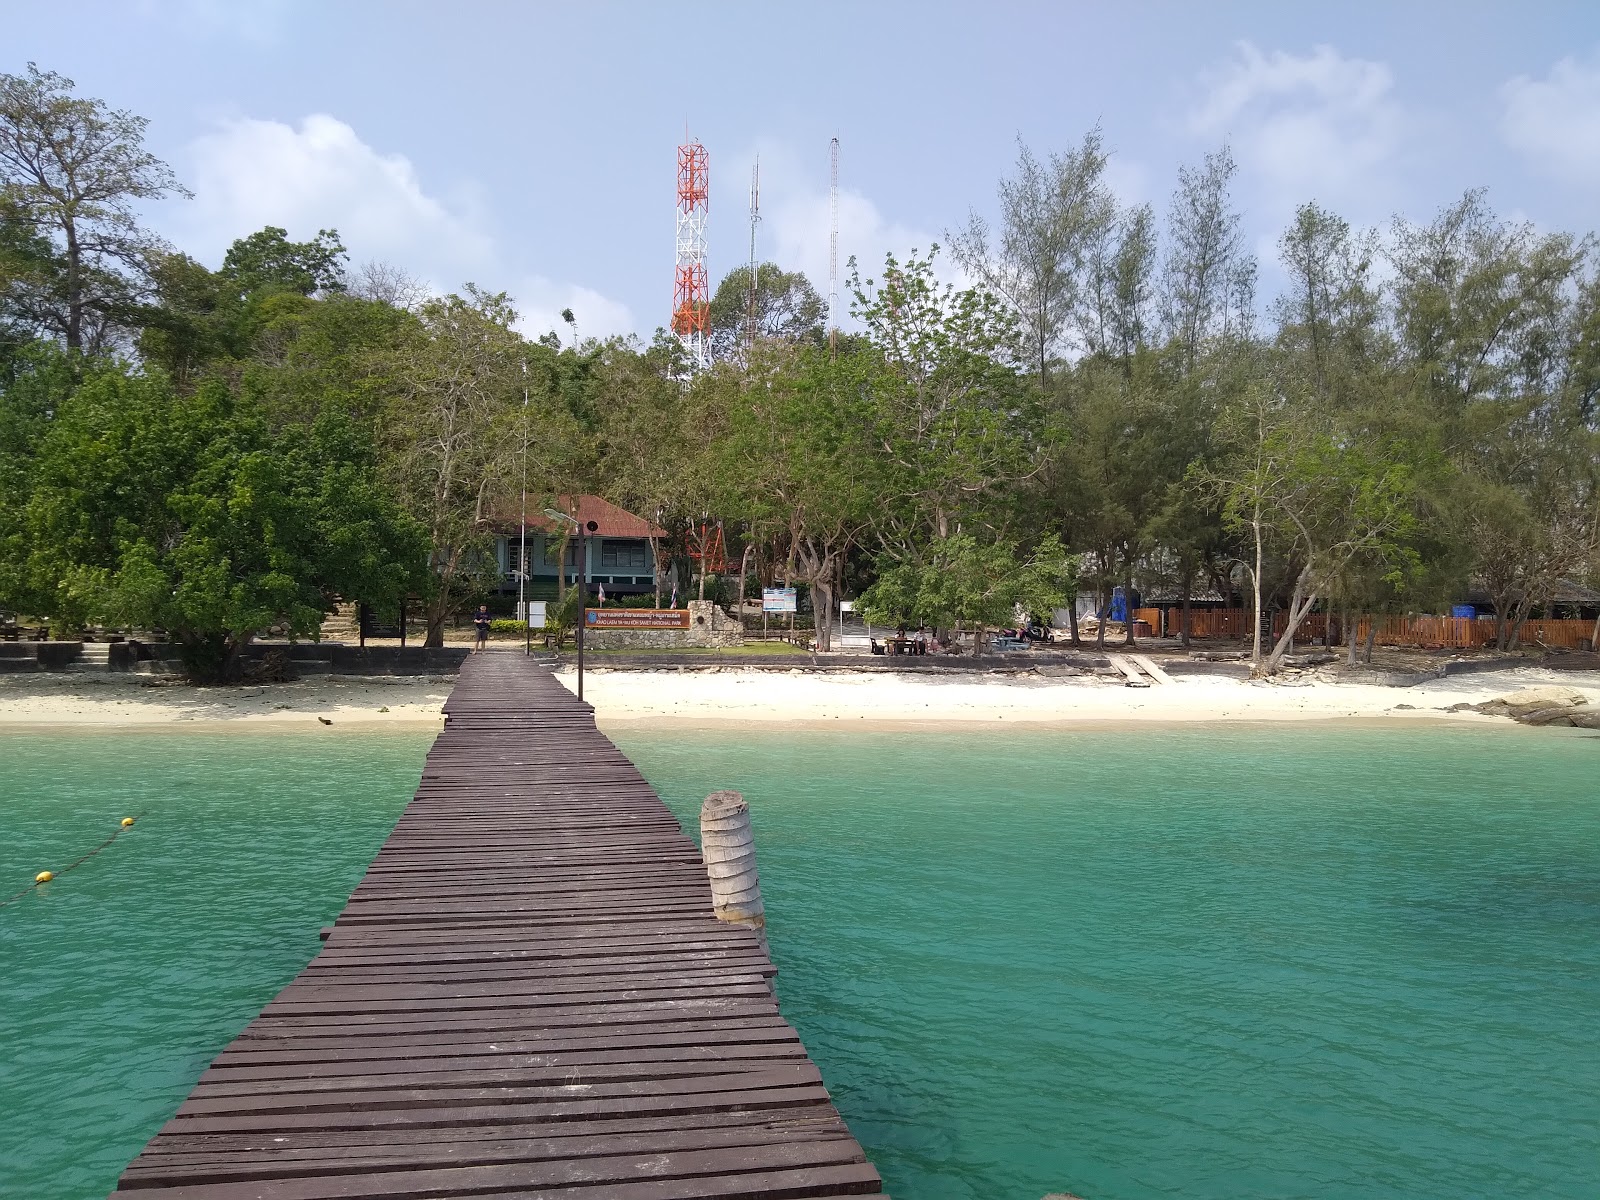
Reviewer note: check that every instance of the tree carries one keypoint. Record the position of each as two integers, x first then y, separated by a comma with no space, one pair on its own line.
962,581
1496,324
791,458
74,169
787,307
1118,317
1323,502
952,420
36,379
1208,280
184,513
448,439
1052,215
269,261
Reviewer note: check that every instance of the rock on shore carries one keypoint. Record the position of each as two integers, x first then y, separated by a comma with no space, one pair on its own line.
1544,706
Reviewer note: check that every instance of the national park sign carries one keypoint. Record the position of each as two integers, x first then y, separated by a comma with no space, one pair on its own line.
636,618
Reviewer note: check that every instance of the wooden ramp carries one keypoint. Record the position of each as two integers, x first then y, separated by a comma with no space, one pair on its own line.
527,995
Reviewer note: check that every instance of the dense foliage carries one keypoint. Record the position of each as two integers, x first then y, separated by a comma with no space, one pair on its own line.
220,452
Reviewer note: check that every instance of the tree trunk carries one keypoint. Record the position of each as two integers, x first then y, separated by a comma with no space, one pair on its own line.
436,615
744,572
1127,602
1349,632
74,289
1372,636
1300,606
1188,587
822,607
1255,590
1072,621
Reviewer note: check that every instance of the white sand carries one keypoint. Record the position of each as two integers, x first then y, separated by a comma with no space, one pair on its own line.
103,699
877,699
760,697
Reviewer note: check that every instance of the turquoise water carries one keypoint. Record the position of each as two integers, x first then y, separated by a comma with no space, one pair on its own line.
121,980
1304,961
1297,962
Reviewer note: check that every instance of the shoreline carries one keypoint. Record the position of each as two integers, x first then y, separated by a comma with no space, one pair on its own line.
767,702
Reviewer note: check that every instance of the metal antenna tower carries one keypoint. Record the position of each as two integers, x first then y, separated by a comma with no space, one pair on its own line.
691,297
833,245
755,268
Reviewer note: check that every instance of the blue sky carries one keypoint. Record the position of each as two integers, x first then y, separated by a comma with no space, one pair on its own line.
531,147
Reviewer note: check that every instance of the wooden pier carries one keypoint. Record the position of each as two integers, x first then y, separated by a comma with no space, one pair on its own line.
527,995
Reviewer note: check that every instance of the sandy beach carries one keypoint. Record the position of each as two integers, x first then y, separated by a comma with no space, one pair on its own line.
767,698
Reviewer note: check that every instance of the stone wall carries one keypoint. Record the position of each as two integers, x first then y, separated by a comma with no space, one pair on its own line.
710,627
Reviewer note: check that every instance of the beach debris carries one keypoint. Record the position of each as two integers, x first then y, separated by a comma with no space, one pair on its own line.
325,720
1316,658
1559,706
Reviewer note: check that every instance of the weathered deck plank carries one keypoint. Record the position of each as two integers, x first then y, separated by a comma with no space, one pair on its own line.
527,995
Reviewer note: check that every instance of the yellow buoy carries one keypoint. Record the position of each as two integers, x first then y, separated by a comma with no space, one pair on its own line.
126,821
44,876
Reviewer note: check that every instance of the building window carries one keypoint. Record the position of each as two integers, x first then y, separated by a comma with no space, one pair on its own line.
617,554
552,550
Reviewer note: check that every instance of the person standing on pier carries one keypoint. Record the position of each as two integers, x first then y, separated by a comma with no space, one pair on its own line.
480,622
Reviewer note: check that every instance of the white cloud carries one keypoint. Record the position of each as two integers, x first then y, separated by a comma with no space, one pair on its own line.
248,173
1555,121
540,301
1316,126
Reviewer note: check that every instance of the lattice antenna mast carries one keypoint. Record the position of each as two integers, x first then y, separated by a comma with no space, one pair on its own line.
755,219
691,297
833,245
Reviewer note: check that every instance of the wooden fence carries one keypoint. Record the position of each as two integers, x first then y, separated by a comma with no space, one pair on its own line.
1457,633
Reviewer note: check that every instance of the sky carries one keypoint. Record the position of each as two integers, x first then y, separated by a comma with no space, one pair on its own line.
531,147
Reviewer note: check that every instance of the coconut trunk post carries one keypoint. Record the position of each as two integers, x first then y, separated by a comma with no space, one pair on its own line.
728,847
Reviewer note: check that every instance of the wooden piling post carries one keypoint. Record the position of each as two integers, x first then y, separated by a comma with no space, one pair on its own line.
728,847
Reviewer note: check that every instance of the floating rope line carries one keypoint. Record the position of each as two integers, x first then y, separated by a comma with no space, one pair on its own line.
44,877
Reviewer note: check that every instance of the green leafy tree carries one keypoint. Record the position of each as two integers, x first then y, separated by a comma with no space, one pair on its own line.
1052,217
787,308
964,582
448,437
75,170
953,420
184,513
269,261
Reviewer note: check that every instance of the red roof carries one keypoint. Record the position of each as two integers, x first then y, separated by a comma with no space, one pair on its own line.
610,520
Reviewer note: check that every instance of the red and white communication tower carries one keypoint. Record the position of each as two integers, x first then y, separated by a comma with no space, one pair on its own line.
691,297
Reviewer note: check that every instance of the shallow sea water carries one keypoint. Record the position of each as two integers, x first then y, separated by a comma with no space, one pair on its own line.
1299,961
122,979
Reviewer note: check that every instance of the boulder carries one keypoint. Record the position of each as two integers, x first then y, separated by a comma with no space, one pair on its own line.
1584,718
1554,714
1543,697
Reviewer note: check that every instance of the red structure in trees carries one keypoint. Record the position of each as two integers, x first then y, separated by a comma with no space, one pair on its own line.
691,294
